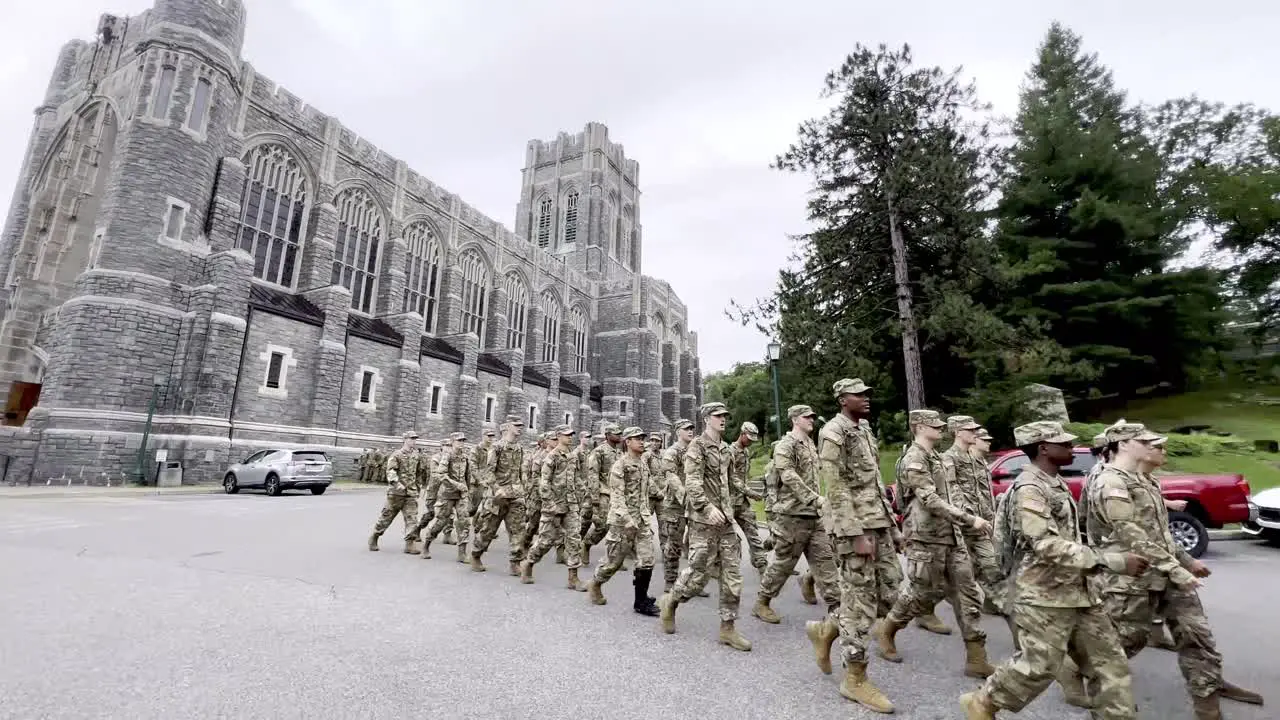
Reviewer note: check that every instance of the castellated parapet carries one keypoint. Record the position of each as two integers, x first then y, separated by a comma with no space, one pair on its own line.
190,242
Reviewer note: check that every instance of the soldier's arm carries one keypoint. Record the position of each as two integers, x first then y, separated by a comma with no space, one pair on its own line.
592,472
916,476
659,478
1117,508
1037,526
845,518
617,490
694,482
393,470
546,477
784,463
491,460
672,473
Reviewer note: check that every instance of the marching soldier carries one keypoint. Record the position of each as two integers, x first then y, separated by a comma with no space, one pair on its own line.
402,495
599,462
972,493
652,459
378,461
504,499
629,524
364,471
672,514
480,466
532,472
561,510
456,478
743,514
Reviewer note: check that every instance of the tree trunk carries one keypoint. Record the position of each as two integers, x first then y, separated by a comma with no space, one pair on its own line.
906,315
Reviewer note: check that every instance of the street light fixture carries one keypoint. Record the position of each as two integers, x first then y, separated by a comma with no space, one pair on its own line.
774,353
139,472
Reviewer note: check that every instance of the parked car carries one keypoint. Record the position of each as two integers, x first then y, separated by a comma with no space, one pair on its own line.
275,471
1264,520
1212,500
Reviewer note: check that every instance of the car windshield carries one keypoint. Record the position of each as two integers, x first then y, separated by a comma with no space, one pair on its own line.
310,456
1080,465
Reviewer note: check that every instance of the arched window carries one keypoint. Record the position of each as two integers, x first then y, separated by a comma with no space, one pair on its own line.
544,222
273,214
422,274
578,340
550,327
359,239
659,327
571,217
517,311
475,293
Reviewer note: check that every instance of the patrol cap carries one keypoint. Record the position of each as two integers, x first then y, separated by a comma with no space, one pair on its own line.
657,436
712,409
411,435
458,436
1123,430
849,386
490,432
984,434
962,422
612,429
684,424
632,432
932,418
1044,431
1099,441
564,430
547,435
1159,442
796,411
751,430
514,420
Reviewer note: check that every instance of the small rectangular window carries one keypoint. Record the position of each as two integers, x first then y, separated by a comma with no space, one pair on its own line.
95,249
568,418
488,409
200,104
436,391
622,408
274,366
173,223
164,92
366,387
533,417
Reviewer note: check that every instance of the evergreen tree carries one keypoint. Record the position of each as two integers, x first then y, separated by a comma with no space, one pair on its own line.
1088,238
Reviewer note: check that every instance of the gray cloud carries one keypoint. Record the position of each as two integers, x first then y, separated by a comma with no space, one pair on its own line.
702,94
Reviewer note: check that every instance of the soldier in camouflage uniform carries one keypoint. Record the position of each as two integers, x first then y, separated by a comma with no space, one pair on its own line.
378,463
364,472
578,456
1126,513
402,495
532,472
629,522
561,510
866,541
672,514
742,495
504,498
429,480
971,492
599,461
711,537
795,526
456,479
938,565
652,460
480,466
1050,598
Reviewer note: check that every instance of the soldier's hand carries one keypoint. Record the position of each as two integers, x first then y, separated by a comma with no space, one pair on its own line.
715,516
981,525
865,546
899,543
1176,505
1199,569
1135,564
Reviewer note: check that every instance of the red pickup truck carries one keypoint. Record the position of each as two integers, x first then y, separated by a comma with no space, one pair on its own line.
1212,500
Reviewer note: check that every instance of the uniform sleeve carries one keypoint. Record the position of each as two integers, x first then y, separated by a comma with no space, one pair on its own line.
845,519
671,474
492,460
785,464
393,469
546,477
1035,522
617,490
694,482
1117,508
915,475
658,475
593,472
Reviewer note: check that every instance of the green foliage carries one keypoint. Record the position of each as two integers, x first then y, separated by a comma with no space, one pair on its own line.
748,391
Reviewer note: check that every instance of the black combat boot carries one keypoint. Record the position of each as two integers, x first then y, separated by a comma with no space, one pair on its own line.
644,604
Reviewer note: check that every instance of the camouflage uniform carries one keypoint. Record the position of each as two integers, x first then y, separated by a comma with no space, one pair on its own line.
532,473
672,516
429,481
504,502
456,481
561,511
629,517
364,468
1053,606
971,492
480,467
937,564
402,497
595,523
378,460
652,459
795,526
743,514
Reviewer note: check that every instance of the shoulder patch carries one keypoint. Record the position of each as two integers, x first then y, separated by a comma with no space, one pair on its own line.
1114,492
915,466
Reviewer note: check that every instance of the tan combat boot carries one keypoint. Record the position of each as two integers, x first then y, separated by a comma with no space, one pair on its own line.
573,583
859,689
1231,691
560,559
764,612
411,548
806,589
667,612
462,553
730,636
822,633
975,660
931,623
426,550
594,594
526,572
476,565
1159,637
373,542
448,537
886,639
1073,691
1208,707
977,705
514,568
586,555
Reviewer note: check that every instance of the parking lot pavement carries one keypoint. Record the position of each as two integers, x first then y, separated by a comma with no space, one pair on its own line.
248,606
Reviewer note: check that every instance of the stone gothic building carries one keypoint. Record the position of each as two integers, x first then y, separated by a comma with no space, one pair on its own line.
193,247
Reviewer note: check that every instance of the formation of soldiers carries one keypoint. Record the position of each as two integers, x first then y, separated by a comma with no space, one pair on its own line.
1078,605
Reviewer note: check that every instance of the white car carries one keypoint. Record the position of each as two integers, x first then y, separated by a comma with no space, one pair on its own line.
278,470
1264,515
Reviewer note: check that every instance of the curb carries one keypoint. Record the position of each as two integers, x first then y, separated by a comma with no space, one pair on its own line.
1228,535
47,491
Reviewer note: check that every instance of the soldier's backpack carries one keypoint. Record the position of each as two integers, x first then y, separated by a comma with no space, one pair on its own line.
1005,534
902,495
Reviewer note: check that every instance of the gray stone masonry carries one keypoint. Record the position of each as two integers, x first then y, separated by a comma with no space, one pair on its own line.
170,253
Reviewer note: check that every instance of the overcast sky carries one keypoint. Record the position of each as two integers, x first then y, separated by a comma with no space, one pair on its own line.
702,93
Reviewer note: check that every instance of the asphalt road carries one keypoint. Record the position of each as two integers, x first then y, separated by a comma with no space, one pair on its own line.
254,607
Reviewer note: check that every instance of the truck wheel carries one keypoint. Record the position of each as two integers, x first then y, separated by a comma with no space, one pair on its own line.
1189,533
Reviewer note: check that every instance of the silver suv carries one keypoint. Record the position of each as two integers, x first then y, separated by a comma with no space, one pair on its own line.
278,470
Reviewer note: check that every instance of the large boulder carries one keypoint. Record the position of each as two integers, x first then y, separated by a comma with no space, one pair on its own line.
1046,403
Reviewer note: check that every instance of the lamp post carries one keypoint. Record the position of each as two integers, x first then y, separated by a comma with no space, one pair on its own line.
139,472
774,353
